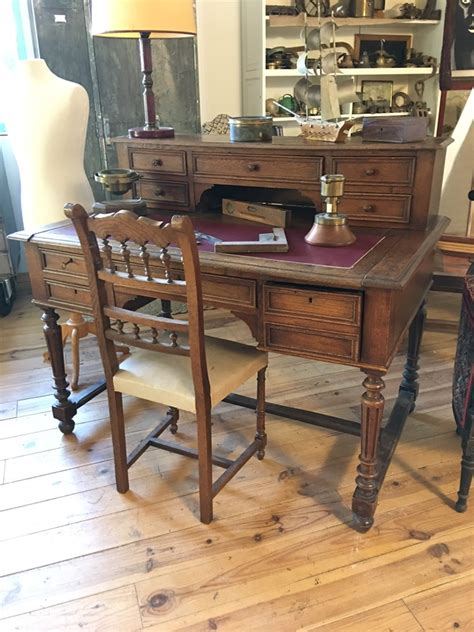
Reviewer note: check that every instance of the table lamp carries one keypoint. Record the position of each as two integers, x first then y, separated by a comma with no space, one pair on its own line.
144,19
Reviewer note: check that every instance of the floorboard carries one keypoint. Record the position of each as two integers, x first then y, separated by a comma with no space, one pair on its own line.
280,555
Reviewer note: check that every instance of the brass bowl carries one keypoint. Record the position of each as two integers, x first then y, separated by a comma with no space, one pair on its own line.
117,181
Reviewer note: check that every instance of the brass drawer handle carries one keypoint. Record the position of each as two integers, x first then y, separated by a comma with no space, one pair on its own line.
370,172
66,262
253,166
160,192
369,208
157,163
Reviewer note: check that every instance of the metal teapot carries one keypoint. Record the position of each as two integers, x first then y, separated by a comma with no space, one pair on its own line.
289,102
384,59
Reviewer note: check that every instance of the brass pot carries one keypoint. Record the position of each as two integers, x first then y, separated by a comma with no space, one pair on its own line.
117,181
363,8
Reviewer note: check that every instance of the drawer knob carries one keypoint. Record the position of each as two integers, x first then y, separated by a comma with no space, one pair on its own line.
160,192
157,162
370,172
252,166
66,262
369,208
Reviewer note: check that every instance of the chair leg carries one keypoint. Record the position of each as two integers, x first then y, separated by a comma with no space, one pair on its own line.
203,419
118,440
260,434
467,468
174,412
75,359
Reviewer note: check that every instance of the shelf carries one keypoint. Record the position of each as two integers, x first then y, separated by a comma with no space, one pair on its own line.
355,72
283,21
288,119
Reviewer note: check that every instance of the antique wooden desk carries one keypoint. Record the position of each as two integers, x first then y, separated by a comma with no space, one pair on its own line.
349,308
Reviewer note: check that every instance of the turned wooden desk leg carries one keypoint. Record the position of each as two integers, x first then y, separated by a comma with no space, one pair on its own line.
467,465
364,501
64,409
410,374
165,311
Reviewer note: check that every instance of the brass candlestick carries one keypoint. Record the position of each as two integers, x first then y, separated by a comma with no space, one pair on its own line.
330,228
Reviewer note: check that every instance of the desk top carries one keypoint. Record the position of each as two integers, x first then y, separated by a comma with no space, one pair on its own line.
390,261
284,143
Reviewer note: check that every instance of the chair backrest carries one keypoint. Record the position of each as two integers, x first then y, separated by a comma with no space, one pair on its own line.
127,255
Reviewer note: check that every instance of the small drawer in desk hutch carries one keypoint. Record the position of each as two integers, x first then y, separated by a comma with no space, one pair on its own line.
297,169
391,208
313,323
383,171
172,162
160,192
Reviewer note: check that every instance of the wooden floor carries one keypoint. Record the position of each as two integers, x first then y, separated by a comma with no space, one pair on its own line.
280,555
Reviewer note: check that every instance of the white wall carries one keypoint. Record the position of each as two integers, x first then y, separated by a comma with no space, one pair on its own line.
219,58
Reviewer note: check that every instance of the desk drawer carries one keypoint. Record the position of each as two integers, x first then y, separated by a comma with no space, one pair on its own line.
238,292
314,323
389,207
162,192
294,169
380,171
312,343
173,162
69,294
62,262
320,306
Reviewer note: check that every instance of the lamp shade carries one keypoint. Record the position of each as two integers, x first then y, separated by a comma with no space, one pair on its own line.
129,18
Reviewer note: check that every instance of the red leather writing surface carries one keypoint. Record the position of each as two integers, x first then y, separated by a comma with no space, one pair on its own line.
299,251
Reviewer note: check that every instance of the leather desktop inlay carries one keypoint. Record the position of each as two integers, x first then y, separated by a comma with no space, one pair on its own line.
299,251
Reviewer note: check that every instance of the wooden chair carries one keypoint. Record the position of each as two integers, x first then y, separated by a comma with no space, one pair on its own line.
172,362
463,388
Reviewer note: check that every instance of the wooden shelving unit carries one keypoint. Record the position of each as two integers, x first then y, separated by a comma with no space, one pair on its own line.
358,72
260,32
285,21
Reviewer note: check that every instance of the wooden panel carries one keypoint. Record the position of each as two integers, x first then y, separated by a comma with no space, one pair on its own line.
395,208
296,169
359,170
62,262
162,192
68,294
173,162
241,292
312,344
341,307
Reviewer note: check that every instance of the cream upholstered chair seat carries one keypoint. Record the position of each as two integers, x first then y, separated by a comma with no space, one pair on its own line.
167,379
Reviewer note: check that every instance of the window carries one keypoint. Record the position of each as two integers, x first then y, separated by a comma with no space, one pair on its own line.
16,40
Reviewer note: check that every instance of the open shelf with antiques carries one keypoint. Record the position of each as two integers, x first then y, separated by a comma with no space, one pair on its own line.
417,40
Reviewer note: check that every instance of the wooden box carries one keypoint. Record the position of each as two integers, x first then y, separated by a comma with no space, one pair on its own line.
397,129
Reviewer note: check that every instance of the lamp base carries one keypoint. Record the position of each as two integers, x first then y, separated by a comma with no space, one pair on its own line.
136,205
330,231
158,132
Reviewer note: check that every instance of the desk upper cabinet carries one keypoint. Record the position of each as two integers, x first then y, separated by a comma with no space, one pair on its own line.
387,185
